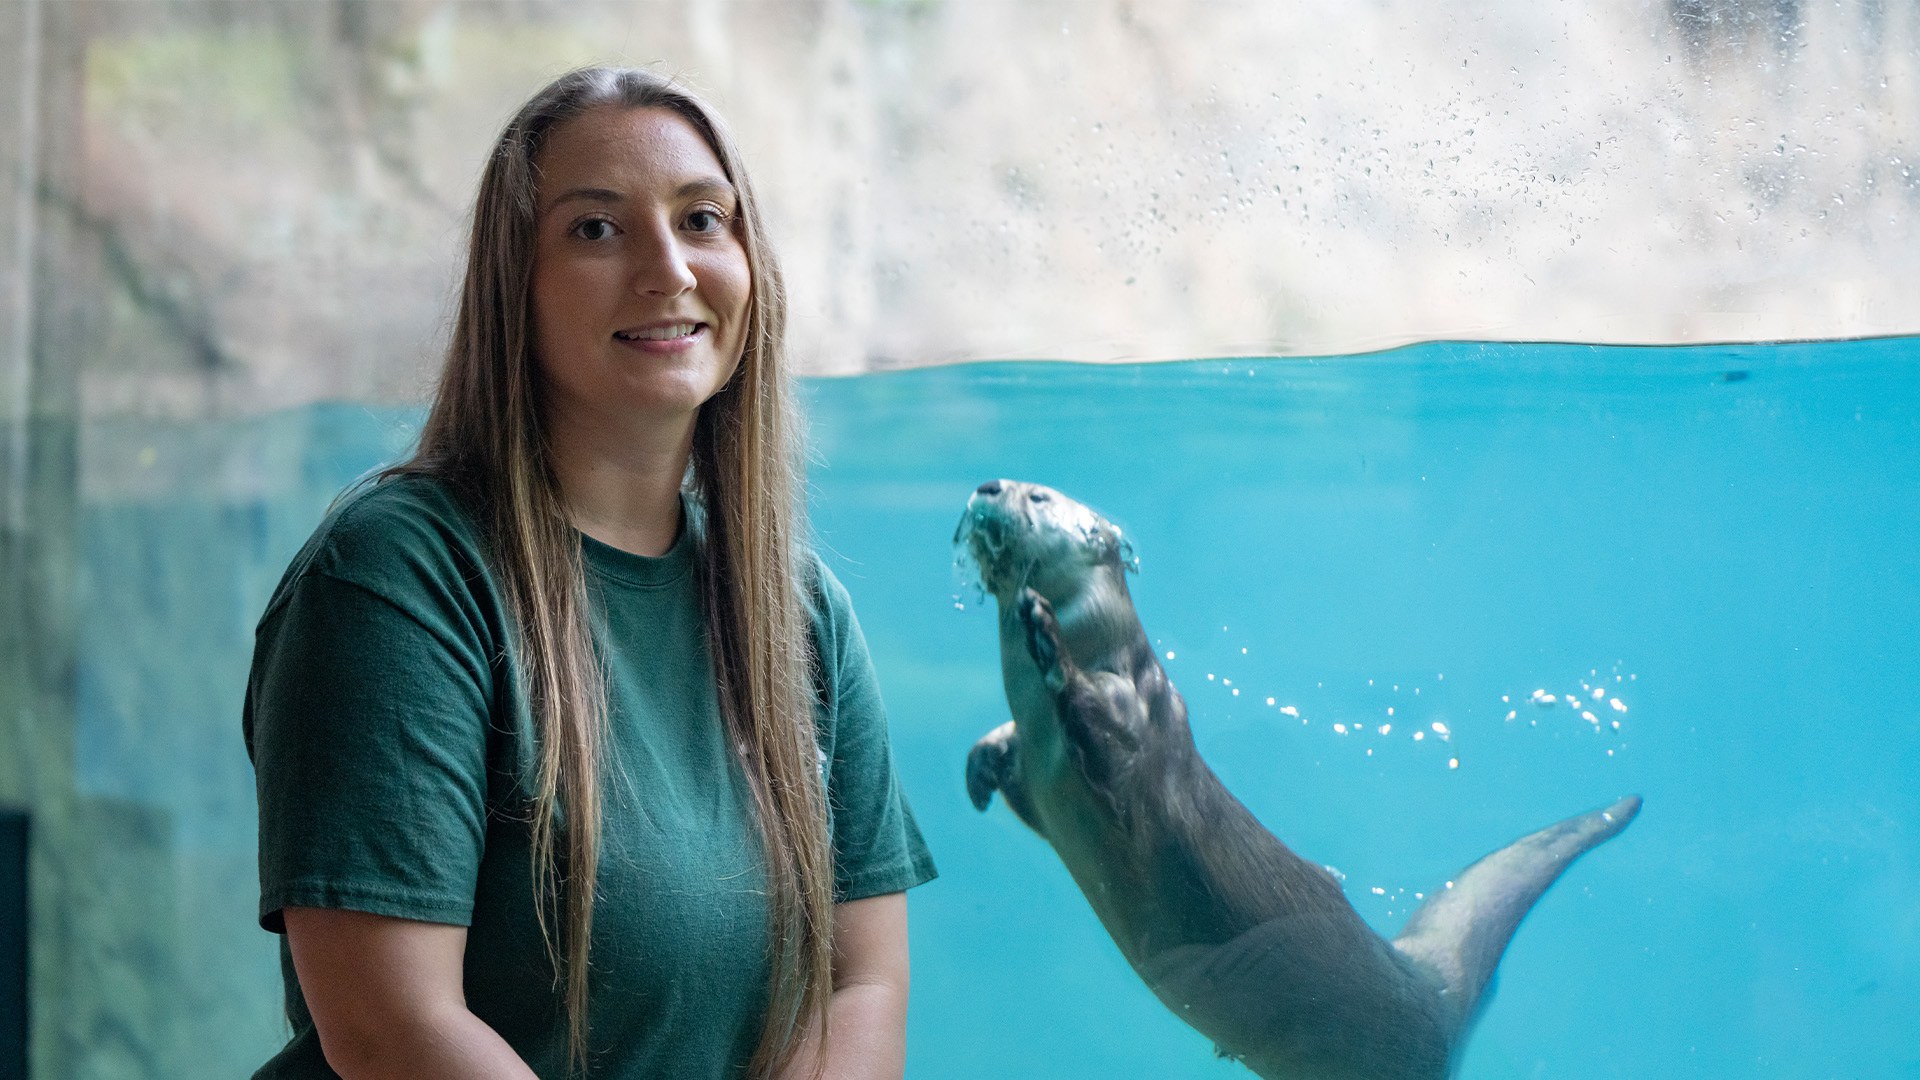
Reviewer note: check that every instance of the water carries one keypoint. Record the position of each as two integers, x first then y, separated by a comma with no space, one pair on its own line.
1721,538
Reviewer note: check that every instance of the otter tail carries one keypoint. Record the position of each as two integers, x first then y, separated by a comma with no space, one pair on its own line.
1461,931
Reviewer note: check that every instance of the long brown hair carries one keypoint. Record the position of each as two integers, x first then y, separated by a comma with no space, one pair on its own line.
486,433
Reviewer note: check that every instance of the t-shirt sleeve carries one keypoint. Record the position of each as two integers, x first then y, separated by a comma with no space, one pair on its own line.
368,731
877,844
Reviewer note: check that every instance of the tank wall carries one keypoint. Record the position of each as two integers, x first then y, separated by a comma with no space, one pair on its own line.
230,231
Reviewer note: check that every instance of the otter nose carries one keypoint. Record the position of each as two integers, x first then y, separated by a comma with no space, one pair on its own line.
991,487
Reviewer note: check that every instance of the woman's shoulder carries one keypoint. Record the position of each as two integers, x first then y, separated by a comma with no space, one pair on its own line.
404,507
396,535
829,608
827,602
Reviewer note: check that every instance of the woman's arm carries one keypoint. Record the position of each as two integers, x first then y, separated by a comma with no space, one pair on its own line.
867,1018
386,998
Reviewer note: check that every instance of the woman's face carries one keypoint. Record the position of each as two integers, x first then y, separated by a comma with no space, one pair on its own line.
640,277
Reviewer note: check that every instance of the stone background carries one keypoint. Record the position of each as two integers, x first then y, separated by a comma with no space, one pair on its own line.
272,194
228,234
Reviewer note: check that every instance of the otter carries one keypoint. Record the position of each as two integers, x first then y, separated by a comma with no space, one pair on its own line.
1253,946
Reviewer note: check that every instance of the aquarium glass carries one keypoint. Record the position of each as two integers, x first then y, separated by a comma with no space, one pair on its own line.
1435,361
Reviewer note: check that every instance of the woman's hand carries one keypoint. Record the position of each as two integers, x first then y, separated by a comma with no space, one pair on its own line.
387,999
867,1018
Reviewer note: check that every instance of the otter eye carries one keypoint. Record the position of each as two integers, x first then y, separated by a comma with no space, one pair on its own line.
1037,496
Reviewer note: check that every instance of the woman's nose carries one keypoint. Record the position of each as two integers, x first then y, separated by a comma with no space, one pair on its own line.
663,269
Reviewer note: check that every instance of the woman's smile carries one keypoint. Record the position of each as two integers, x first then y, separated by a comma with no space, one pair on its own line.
663,338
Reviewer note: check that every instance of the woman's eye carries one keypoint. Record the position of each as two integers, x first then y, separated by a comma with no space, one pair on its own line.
594,229
706,221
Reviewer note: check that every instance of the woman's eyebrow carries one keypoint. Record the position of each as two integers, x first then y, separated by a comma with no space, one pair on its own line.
586,194
712,187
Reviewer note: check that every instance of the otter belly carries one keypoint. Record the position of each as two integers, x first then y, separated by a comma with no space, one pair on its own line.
1309,995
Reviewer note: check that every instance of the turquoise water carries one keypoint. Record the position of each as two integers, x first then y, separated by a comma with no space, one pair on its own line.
1721,538
1738,561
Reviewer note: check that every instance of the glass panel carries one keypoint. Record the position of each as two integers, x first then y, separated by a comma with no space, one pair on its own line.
228,238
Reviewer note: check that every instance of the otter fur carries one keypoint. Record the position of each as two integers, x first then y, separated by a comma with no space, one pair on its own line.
1252,945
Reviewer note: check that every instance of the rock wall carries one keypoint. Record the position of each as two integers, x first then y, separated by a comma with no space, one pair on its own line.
276,191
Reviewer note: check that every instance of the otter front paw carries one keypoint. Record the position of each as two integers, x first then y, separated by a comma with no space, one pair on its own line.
990,765
1043,638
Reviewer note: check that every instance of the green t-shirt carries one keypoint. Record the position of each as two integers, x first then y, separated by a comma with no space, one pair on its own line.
393,752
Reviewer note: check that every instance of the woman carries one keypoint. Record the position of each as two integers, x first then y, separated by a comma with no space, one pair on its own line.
570,758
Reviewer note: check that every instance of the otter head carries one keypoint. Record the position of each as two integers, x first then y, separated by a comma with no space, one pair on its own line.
1023,535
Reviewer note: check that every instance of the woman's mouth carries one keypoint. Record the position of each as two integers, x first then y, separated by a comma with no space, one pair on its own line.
666,332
